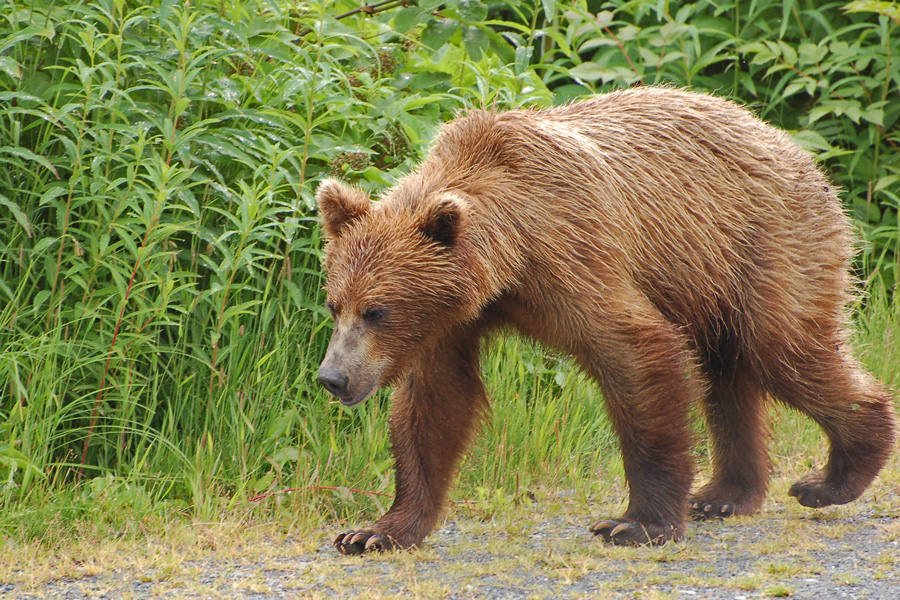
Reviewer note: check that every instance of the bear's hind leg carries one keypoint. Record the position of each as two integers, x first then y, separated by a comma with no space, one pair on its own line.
736,418
855,412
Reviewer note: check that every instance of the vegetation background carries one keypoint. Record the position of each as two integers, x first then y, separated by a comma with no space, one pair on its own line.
161,317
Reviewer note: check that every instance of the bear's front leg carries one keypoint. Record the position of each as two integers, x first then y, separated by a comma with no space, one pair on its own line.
434,412
649,379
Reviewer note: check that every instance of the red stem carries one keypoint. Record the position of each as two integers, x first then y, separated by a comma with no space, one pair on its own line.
109,355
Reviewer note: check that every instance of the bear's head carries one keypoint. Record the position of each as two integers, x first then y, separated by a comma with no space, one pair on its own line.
399,273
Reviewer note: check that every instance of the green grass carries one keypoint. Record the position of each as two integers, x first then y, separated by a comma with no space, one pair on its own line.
161,317
547,431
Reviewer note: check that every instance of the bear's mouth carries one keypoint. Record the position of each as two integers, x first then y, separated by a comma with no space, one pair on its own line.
352,400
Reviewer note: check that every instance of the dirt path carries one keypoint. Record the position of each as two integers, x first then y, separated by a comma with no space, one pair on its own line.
535,552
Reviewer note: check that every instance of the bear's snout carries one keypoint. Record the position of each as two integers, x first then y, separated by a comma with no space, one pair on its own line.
349,372
334,381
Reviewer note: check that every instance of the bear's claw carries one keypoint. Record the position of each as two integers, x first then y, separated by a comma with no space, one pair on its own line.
357,542
625,533
700,510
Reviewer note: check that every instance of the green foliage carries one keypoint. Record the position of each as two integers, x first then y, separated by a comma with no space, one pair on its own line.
829,73
160,209
159,260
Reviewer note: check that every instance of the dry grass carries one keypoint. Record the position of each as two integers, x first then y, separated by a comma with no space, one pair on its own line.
530,549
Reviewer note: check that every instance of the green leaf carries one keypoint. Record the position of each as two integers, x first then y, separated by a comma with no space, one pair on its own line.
884,182
476,41
818,112
810,54
10,67
549,9
852,109
438,32
26,154
874,115
472,11
649,57
286,455
39,300
263,482
752,48
628,33
773,47
523,59
867,212
588,71
20,216
408,18
812,140
53,191
806,84
376,175
596,42
428,80
604,19
747,81
556,37
786,6
25,34
788,53
887,9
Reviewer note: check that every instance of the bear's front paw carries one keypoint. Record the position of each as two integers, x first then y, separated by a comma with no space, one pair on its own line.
357,542
626,533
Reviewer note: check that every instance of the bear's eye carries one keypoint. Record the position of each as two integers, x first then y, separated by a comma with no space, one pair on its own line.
374,315
331,308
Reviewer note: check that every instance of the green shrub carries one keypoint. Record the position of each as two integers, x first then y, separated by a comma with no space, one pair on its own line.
159,261
829,73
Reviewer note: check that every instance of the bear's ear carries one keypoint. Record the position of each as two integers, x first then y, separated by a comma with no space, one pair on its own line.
339,206
445,220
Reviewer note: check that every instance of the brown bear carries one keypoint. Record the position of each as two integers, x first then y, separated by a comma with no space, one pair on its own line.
677,247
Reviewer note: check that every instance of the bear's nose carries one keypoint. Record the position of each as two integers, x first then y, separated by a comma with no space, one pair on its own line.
334,381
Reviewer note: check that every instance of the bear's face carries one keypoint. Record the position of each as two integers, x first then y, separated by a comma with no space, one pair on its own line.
396,277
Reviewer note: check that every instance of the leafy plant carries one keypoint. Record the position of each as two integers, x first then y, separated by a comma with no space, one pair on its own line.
159,257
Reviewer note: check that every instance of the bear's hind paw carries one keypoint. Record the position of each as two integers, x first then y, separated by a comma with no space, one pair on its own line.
813,491
716,501
700,510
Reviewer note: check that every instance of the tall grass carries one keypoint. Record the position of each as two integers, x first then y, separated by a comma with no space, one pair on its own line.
162,273
159,259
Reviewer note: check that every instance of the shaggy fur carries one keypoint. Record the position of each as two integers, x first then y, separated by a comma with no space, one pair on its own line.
680,249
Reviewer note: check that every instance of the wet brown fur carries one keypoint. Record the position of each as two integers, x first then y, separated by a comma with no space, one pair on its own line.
680,249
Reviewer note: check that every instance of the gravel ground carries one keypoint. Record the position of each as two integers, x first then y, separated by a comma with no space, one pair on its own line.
538,552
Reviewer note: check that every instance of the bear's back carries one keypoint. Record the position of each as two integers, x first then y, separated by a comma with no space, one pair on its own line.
692,197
